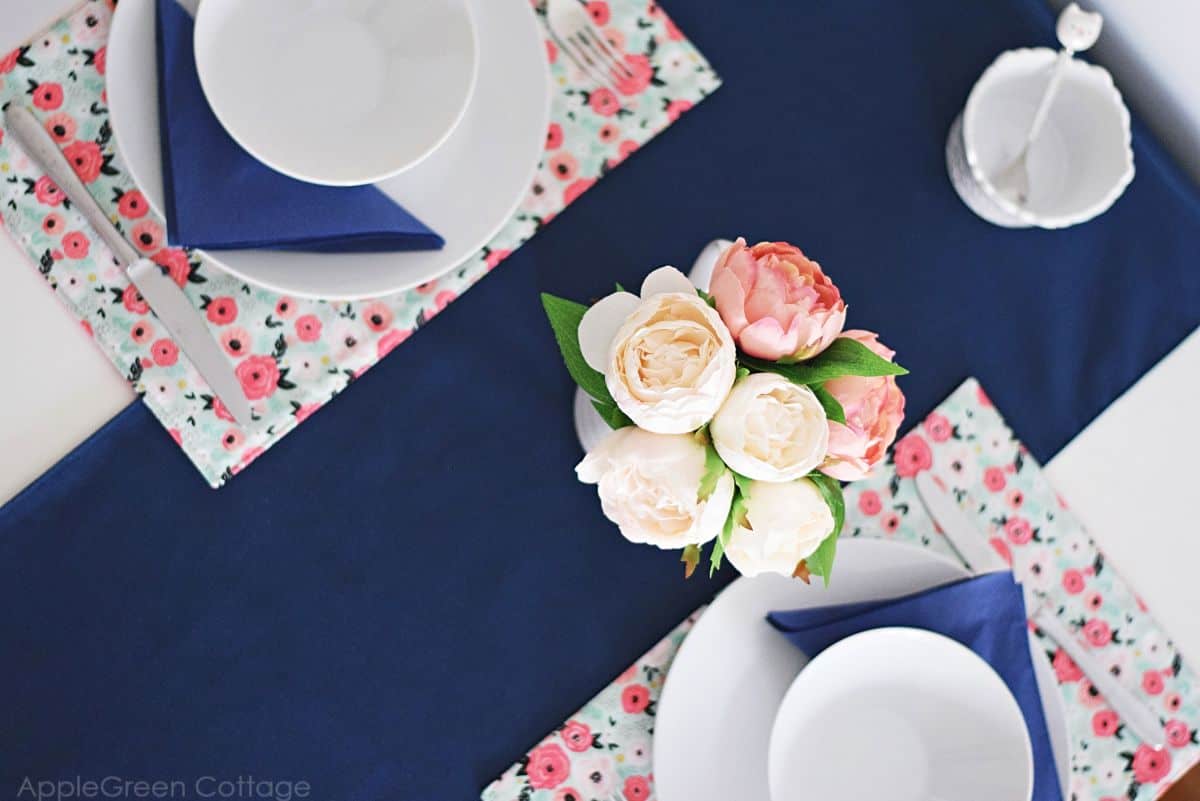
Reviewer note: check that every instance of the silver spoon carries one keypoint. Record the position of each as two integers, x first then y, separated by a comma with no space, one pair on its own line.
1077,31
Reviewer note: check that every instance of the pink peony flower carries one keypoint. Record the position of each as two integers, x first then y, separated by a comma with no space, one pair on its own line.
258,376
236,341
52,224
548,767
308,328
1065,669
220,411
285,308
232,439
132,204
173,260
141,333
577,736
147,236
874,407
164,352
1072,581
676,108
1149,765
47,192
133,300
75,244
48,96
598,9
1105,723
639,77
302,413
637,788
869,503
563,166
85,159
377,315
1018,530
604,102
61,127
635,698
912,455
1152,682
388,342
9,62
993,479
1178,734
777,302
221,311
1097,632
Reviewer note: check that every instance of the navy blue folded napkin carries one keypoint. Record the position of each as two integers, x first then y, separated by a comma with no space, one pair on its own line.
986,614
218,196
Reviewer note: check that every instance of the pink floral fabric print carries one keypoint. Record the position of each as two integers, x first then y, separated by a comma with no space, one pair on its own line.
603,751
966,444
291,356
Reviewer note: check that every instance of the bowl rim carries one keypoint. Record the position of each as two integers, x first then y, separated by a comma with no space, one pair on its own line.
929,636
1025,215
361,179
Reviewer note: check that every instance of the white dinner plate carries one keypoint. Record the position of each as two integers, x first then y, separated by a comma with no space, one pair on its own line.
465,190
393,80
870,716
714,718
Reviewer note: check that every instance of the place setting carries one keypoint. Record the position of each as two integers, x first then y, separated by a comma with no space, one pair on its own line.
308,223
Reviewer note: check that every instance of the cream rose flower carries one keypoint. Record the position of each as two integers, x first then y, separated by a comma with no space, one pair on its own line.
771,429
786,524
649,486
667,358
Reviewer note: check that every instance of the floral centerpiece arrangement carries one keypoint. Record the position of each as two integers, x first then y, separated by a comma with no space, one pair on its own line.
736,415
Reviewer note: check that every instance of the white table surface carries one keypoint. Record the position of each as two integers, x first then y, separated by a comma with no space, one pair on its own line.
1128,475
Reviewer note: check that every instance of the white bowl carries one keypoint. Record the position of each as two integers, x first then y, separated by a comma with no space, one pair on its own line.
1080,163
902,714
337,92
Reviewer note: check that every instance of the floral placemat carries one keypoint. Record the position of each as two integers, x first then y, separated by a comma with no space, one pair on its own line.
292,355
966,443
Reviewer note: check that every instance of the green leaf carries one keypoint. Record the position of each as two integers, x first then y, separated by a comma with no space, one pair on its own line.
611,414
741,373
737,513
843,357
564,316
714,468
619,287
820,563
707,298
831,405
743,484
690,558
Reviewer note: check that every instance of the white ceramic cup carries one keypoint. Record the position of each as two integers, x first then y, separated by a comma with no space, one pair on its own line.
900,714
1081,161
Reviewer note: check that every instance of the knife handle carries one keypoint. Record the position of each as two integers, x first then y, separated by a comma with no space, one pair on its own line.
43,150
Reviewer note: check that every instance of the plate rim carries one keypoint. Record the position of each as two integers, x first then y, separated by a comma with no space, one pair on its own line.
1012,707
464,104
394,286
1042,669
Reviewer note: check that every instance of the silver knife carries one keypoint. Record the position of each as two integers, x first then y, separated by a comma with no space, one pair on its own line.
166,298
969,541
959,529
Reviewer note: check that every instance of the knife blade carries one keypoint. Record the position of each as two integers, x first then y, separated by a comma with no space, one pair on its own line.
964,534
959,529
166,299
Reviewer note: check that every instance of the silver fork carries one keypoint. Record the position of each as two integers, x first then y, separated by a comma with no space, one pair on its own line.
578,37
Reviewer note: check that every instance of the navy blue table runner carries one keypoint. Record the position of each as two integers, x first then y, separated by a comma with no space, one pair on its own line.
397,601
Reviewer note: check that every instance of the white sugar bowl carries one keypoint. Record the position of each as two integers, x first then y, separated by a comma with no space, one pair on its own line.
1080,162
